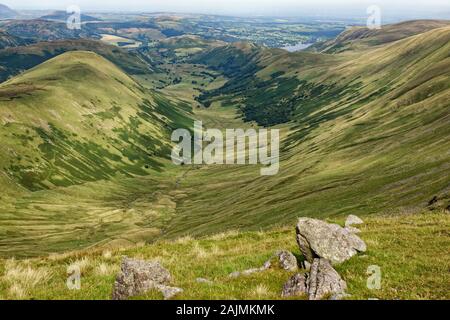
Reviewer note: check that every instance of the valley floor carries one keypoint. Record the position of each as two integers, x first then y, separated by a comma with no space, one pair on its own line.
414,264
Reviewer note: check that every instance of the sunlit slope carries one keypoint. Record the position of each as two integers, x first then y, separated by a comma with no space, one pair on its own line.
371,135
366,133
14,60
357,38
78,118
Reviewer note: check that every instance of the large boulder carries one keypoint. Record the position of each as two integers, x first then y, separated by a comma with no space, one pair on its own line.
138,277
320,283
324,282
318,239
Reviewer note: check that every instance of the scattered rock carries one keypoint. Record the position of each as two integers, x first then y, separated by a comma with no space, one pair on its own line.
251,271
168,292
138,277
203,280
353,220
295,287
287,260
318,239
265,267
324,281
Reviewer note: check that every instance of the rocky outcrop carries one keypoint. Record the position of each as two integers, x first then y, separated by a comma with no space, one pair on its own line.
321,282
137,277
319,239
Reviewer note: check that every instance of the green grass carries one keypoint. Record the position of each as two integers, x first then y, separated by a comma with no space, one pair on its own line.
377,148
412,263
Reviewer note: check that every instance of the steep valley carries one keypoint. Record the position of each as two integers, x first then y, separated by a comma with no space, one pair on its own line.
86,147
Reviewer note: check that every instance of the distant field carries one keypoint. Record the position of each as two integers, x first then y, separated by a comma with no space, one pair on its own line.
120,41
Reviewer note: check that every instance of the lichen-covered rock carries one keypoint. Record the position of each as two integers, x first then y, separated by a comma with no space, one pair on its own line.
138,277
295,287
320,283
353,220
324,282
318,239
287,260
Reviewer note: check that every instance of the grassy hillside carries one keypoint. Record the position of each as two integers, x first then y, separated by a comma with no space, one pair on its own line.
367,137
363,133
412,264
21,58
93,122
7,40
41,30
357,38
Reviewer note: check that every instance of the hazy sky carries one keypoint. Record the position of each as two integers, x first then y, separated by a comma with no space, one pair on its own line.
243,7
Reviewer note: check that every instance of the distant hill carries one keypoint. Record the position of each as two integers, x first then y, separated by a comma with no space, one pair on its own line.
78,118
42,30
7,40
62,16
362,37
6,12
20,58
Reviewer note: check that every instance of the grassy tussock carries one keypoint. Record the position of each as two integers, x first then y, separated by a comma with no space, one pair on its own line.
408,249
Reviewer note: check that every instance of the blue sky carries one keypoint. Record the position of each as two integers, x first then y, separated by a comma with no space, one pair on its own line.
246,7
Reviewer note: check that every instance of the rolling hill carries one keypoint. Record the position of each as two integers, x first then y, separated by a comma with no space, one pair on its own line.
15,60
364,133
62,16
6,12
363,37
41,30
92,122
6,40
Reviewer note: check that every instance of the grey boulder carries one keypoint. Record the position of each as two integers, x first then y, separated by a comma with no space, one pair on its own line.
320,283
324,282
319,239
138,277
